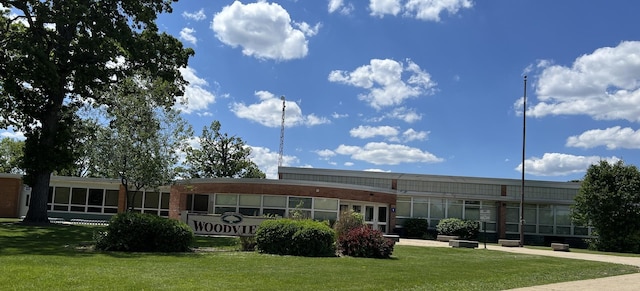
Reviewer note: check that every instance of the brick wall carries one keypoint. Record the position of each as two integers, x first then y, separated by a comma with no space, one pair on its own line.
10,190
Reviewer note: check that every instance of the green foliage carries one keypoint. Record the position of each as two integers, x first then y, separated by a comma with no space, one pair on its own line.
416,227
139,232
57,55
465,229
365,242
609,200
248,243
295,237
11,153
221,156
348,220
141,142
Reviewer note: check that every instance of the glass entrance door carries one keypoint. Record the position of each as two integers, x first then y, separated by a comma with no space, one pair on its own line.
375,215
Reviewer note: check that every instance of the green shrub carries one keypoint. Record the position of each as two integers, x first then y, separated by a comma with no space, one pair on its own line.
365,242
139,232
348,220
248,243
416,227
465,229
295,237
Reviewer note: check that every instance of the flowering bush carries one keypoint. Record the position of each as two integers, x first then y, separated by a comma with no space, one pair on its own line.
348,220
365,242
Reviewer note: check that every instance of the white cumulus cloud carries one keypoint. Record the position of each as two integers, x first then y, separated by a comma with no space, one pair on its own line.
613,138
196,97
187,34
428,10
340,6
267,161
388,82
268,112
197,16
380,153
364,131
263,30
604,85
558,164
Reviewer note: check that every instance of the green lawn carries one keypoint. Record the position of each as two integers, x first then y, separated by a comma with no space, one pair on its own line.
57,257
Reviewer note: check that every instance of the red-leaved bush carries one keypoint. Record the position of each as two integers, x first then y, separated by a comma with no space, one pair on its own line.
365,242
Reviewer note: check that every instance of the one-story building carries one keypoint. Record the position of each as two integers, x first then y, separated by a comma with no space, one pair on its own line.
384,199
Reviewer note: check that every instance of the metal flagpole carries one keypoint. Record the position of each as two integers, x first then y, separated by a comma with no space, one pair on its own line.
524,131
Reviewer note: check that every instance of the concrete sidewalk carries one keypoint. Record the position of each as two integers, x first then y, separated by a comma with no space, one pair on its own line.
625,282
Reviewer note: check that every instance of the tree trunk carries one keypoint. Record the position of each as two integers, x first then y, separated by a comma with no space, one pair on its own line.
39,197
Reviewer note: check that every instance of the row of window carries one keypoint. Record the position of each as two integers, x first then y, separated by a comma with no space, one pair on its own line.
258,205
104,201
435,209
543,219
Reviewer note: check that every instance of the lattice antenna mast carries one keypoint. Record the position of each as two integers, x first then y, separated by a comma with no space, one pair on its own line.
281,151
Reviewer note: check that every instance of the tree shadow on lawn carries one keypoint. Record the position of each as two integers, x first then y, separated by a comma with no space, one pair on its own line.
17,238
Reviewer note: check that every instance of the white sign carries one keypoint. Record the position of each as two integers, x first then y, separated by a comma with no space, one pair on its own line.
230,223
485,215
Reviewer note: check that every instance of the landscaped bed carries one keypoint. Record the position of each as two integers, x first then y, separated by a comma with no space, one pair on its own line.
61,257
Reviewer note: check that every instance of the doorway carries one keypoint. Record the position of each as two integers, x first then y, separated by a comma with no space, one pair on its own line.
375,215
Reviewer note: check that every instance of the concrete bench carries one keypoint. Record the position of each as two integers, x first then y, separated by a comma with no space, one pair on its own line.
446,238
560,247
509,242
393,237
458,243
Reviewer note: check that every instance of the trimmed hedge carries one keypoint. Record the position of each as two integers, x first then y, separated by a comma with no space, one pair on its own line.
139,232
365,242
416,227
296,237
465,229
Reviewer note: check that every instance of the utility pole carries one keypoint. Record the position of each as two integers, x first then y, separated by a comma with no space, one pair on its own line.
524,134
281,151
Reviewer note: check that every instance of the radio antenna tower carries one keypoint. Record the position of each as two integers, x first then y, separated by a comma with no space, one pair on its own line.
281,135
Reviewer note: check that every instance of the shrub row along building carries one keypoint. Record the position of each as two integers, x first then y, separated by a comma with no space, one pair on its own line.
384,199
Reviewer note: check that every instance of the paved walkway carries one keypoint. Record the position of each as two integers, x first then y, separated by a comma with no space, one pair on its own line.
623,283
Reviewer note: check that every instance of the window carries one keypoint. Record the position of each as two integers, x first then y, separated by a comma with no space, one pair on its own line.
300,202
472,210
421,207
454,208
403,206
151,199
200,203
325,204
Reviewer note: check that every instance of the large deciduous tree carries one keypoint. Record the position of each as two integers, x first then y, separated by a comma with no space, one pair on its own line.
221,156
609,200
143,139
55,54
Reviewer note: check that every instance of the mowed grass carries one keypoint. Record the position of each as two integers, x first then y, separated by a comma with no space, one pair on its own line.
60,258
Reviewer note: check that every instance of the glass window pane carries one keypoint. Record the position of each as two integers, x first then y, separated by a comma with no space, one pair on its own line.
382,214
530,214
111,198
273,212
250,200
249,211
222,210
165,200
581,231
403,208
326,203
563,216
472,213
226,199
513,215
546,229
546,215
299,202
529,228
420,208
274,201
368,213
325,215
454,209
200,202
77,208
95,197
137,199
62,195
563,230
79,196
437,208
511,228
151,199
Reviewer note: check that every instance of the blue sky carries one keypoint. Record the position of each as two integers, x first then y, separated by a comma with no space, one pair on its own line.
418,86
